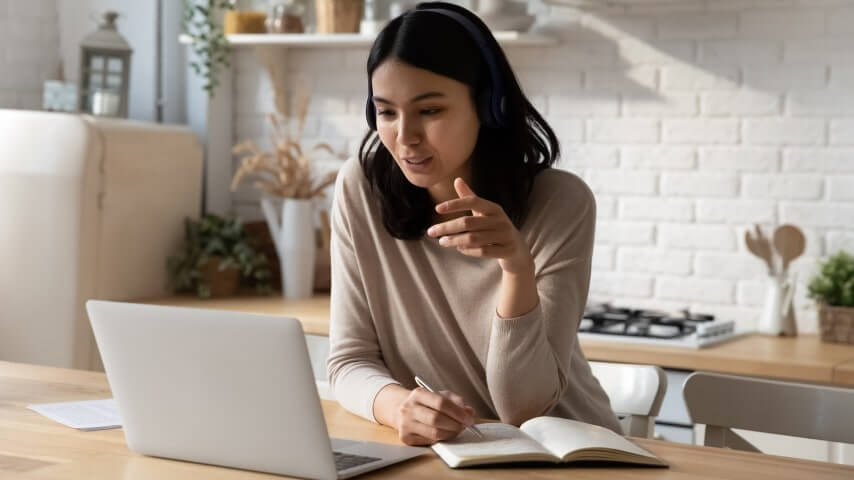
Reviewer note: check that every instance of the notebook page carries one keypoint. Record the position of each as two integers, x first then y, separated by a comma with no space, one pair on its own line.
499,439
562,436
84,415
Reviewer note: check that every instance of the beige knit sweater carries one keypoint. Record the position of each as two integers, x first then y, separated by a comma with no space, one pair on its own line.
406,307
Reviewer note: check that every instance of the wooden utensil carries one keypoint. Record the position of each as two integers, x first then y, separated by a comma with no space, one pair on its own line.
789,242
761,247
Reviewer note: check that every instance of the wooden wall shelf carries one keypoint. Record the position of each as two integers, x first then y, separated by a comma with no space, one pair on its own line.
508,38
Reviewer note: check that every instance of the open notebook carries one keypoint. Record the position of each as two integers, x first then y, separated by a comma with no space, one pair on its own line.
542,439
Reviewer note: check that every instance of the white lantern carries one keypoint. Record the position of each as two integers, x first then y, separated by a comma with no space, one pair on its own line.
105,70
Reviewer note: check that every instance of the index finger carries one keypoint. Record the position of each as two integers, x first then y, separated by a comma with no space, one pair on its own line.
462,188
446,406
473,203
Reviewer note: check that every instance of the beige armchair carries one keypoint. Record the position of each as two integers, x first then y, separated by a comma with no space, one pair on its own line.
89,208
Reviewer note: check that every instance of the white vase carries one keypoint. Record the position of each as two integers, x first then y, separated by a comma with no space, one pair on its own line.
291,223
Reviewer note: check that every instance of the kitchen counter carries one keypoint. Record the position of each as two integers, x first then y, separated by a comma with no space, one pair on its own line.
313,312
804,358
843,374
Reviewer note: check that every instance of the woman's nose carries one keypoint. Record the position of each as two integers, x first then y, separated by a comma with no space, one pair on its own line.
408,132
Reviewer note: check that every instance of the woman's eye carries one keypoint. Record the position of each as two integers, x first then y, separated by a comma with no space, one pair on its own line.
384,112
431,111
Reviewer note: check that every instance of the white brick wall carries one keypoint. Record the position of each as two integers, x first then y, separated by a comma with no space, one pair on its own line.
784,131
842,131
784,76
784,187
740,102
716,25
656,208
667,158
740,51
29,51
622,131
826,160
740,159
841,188
681,76
654,260
698,131
691,122
736,211
699,184
623,232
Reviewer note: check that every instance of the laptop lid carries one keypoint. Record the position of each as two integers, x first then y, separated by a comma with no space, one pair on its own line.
216,387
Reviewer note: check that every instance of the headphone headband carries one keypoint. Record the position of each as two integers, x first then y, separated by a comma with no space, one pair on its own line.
497,100
494,111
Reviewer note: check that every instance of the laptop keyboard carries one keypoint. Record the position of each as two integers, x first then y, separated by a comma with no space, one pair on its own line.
343,461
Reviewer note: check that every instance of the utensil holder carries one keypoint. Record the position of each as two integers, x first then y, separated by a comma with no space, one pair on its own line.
778,316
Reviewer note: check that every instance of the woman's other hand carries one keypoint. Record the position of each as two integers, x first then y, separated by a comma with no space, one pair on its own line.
422,417
487,232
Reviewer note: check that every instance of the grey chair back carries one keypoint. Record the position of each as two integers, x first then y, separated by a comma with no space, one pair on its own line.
723,402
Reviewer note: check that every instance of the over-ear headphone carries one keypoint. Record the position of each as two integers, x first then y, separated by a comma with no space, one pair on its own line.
490,102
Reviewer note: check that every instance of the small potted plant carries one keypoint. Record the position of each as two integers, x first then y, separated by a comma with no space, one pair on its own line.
833,289
215,255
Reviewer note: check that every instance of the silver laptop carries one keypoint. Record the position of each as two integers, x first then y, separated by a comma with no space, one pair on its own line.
224,388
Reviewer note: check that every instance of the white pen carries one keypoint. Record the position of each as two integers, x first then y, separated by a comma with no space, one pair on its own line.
421,383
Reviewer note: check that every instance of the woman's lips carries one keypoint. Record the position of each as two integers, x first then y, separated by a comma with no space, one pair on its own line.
418,164
416,160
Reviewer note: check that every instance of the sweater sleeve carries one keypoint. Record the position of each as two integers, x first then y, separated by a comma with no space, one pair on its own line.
355,366
528,359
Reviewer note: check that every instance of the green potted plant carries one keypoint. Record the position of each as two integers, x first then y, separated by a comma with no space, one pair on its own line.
208,40
833,288
216,254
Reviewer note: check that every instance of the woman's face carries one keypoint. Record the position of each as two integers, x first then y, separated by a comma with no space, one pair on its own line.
429,124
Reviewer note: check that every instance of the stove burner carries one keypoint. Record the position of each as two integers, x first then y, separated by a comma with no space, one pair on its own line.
605,318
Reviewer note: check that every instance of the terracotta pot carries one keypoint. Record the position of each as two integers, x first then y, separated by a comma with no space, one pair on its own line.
223,283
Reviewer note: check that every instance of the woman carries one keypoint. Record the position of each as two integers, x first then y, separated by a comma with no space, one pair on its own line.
458,254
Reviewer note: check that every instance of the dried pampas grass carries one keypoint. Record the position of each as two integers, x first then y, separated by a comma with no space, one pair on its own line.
286,171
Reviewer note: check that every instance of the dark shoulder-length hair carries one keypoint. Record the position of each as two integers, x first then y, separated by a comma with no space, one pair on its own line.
505,159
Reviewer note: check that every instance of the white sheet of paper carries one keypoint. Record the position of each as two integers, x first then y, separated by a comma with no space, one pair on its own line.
84,415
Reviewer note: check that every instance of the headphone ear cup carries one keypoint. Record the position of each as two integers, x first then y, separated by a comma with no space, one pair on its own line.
484,107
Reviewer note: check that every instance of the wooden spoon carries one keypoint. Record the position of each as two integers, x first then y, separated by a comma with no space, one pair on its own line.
789,242
759,246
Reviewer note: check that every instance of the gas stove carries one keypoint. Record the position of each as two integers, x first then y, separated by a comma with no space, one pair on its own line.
686,329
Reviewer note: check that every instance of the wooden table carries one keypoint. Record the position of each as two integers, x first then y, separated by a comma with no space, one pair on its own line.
34,447
803,358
